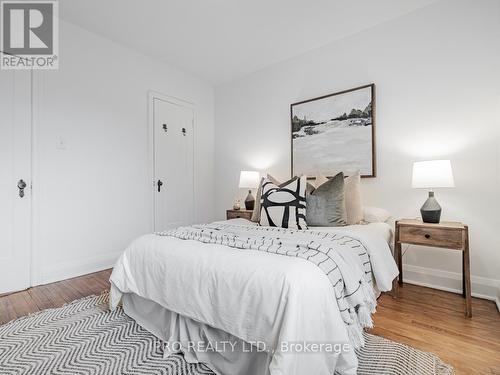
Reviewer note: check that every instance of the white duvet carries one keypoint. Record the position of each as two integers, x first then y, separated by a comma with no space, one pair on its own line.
255,296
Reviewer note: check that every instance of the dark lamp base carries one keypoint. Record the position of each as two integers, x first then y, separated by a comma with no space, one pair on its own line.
431,210
249,201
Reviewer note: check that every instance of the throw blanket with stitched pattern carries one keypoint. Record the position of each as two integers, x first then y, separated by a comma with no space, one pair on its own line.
343,259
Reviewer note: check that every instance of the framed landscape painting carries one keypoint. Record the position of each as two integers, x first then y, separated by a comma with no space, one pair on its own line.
335,133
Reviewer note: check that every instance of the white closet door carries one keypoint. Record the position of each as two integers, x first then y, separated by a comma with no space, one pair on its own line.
15,165
173,154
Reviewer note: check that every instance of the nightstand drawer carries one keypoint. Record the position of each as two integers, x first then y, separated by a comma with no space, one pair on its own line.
236,214
440,237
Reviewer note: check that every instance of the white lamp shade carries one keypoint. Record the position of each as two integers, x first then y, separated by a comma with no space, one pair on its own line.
432,174
249,179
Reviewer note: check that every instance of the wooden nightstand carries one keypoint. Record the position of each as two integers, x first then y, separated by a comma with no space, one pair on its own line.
450,235
235,214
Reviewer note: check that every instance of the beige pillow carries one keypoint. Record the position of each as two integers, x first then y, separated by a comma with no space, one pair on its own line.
353,201
256,207
320,180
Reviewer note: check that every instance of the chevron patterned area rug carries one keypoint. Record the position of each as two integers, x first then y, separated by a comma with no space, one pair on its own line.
86,338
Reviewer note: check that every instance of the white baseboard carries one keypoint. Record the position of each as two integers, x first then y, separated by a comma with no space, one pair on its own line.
452,282
77,267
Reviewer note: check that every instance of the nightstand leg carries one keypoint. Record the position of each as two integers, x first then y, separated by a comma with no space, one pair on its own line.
399,259
463,273
466,275
397,254
395,288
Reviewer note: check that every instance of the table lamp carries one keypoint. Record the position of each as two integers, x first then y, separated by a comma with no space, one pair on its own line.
249,180
430,175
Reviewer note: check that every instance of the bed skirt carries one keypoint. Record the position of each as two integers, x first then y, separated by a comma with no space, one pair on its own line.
200,343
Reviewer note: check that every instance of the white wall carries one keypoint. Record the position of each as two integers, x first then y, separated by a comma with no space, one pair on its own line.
93,197
437,76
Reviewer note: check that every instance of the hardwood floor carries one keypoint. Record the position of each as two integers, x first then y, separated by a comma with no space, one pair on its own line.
427,319
42,297
433,321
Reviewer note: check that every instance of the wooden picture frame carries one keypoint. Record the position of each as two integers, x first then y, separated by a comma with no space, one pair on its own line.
333,133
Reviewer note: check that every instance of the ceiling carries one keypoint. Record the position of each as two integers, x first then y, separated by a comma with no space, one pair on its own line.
221,40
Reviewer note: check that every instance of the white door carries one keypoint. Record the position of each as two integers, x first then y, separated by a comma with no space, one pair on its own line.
173,164
15,167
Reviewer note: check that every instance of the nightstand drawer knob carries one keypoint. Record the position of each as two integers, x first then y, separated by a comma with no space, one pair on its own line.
427,235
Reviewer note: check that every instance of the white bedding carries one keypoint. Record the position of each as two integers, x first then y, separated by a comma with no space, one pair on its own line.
255,296
374,235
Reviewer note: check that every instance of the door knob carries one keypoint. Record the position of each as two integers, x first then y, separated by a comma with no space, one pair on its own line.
159,184
21,185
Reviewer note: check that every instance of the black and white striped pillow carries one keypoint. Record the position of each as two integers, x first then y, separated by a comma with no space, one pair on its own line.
285,205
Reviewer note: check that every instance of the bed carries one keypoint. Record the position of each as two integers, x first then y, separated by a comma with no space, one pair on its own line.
242,311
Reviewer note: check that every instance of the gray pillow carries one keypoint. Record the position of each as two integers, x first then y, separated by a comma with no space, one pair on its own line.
326,204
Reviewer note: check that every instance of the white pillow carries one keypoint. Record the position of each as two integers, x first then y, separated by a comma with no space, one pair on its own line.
375,214
284,206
